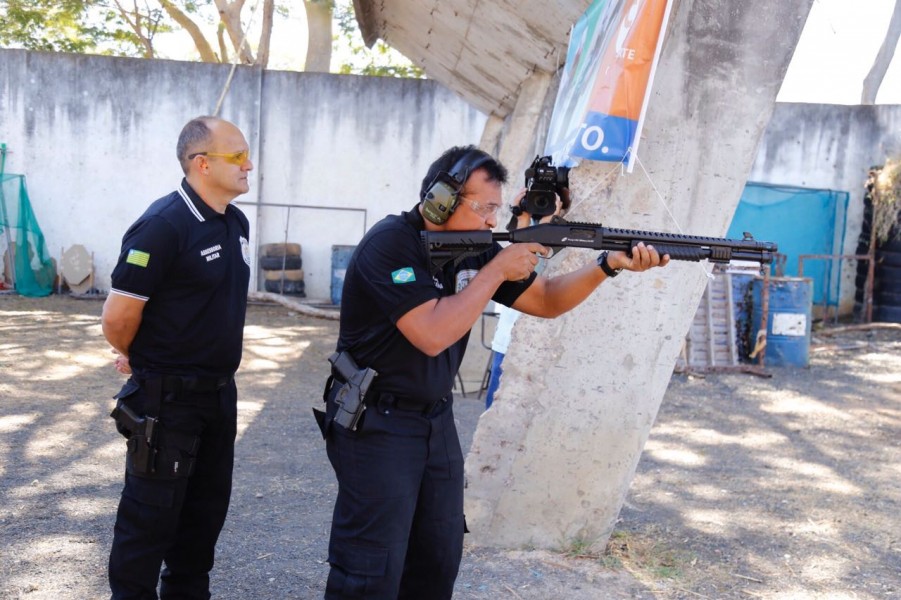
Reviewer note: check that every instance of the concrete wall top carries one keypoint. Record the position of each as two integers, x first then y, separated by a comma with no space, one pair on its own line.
827,146
833,147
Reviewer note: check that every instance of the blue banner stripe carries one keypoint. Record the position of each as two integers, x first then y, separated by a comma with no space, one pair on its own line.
603,137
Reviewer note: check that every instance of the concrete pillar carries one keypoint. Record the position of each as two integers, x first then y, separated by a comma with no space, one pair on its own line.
513,142
552,460
516,140
518,146
491,135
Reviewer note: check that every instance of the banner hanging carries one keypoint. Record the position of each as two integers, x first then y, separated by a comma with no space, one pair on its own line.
600,107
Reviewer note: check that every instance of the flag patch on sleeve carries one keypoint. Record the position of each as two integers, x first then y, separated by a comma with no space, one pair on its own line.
404,275
137,258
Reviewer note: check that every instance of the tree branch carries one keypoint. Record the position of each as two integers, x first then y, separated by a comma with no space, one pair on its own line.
265,33
873,80
230,13
220,37
203,46
133,19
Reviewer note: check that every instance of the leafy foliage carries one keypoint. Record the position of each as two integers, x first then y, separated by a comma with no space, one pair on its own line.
381,60
128,28
82,26
46,25
885,190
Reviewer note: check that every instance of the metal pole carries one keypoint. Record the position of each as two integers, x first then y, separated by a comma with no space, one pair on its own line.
868,284
4,216
871,272
764,317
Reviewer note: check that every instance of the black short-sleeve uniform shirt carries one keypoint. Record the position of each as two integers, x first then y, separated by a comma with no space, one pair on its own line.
389,274
192,267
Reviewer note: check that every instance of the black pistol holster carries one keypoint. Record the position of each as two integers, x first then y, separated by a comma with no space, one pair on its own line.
142,445
152,451
344,394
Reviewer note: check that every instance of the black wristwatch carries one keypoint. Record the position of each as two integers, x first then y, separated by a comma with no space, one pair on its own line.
605,267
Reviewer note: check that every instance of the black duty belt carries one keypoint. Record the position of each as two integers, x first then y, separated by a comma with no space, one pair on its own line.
409,404
182,383
376,398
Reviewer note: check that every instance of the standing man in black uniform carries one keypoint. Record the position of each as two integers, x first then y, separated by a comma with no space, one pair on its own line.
175,317
397,529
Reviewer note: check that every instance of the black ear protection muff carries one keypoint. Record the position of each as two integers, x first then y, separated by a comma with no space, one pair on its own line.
440,200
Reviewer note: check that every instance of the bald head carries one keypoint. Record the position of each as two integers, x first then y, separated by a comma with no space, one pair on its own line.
195,136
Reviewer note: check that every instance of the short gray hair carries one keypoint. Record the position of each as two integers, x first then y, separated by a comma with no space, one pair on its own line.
194,134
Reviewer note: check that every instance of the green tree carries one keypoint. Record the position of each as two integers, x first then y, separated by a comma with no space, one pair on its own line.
231,31
130,27
136,25
68,26
381,59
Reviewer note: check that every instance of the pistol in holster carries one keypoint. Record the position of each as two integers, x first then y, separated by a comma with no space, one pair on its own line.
143,443
349,398
152,450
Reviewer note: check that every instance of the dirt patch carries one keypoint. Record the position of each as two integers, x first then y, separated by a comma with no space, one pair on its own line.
781,488
774,488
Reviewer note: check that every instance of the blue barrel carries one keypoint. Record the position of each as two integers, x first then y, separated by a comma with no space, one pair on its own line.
788,319
340,259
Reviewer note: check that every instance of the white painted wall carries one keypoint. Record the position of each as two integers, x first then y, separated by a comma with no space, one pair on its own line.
95,137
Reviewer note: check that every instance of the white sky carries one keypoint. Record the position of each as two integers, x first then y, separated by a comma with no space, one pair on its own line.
836,50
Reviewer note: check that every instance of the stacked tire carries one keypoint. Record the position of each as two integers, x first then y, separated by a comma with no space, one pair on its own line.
887,282
863,247
886,271
282,269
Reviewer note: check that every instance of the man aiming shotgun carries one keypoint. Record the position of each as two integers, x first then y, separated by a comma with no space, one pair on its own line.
397,529
445,246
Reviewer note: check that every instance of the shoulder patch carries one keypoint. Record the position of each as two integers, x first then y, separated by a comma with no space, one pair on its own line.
405,275
137,258
245,248
464,276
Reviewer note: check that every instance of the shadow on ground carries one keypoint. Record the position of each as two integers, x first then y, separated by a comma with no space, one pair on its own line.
783,487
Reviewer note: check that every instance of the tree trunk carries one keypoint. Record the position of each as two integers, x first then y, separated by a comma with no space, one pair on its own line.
319,35
266,33
230,13
883,59
206,51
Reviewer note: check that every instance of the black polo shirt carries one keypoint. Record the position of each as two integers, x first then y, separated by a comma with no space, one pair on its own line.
192,267
387,276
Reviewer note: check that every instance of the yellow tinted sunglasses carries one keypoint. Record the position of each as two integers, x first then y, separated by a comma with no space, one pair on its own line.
235,158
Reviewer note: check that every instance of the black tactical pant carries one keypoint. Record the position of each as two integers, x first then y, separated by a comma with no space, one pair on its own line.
397,529
176,520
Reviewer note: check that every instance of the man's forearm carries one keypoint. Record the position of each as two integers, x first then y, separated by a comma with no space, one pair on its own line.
120,335
437,324
120,321
565,292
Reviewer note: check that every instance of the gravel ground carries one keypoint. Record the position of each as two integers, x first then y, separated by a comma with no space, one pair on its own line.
786,487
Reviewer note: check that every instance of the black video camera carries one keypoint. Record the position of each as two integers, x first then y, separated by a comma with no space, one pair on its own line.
544,182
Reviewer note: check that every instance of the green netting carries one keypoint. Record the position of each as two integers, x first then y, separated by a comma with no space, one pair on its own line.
25,260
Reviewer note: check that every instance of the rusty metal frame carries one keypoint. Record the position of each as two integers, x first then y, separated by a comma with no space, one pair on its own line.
868,285
758,369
